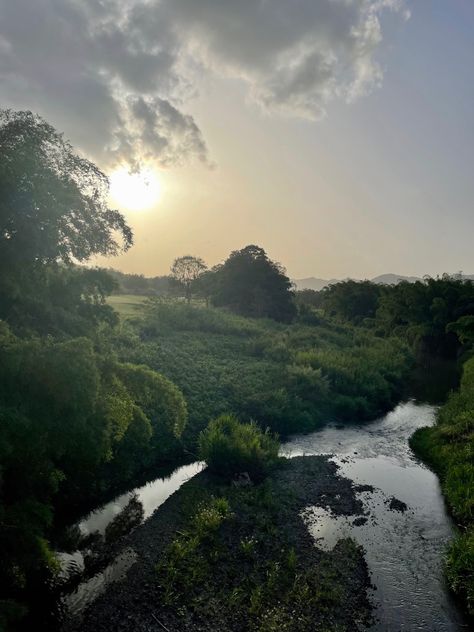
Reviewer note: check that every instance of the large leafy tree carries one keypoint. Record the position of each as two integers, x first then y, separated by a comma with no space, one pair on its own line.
53,214
53,203
251,284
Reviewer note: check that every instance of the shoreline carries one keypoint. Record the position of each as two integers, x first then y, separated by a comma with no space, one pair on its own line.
133,604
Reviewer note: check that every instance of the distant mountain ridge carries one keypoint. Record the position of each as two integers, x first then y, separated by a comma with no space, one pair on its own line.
314,283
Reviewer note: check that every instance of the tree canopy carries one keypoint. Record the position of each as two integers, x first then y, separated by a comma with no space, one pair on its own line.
53,203
186,271
251,284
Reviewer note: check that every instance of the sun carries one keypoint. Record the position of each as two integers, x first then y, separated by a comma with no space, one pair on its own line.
135,191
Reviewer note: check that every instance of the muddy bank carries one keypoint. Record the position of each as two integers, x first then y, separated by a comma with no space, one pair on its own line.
262,534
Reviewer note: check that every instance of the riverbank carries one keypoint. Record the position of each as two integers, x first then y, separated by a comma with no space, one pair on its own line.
448,447
227,558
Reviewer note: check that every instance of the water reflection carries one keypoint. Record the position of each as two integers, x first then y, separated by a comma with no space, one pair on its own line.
91,563
151,496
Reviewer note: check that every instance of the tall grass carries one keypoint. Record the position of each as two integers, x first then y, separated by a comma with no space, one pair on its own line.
230,448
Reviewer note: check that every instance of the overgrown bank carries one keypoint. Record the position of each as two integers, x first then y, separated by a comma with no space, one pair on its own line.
448,448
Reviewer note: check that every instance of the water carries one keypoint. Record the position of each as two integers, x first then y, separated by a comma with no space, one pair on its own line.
403,548
144,501
150,496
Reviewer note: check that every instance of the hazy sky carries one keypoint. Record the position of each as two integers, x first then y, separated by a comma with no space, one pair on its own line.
337,134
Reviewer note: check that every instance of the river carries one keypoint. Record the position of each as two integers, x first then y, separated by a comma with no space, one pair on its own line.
404,548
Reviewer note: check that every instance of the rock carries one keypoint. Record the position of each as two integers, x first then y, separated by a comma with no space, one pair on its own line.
397,505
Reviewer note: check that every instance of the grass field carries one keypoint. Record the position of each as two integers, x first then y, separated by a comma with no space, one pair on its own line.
127,305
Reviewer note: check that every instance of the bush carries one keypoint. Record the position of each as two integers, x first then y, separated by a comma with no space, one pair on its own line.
230,447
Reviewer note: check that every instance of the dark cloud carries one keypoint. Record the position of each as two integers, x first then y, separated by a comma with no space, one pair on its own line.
114,74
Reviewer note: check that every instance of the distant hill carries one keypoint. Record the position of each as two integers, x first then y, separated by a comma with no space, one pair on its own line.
393,279
313,283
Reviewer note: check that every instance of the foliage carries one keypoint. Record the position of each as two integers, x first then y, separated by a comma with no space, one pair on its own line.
53,212
433,315
138,284
54,204
449,448
249,283
229,448
74,421
81,421
287,377
185,271
60,300
351,300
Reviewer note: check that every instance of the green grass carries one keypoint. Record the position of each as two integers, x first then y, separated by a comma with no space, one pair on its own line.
127,305
448,448
229,448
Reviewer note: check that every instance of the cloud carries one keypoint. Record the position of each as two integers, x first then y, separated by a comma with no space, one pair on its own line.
116,75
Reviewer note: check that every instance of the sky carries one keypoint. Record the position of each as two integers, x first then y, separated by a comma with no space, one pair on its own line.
336,134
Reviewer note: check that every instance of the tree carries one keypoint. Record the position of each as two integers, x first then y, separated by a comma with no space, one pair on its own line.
53,203
249,283
351,300
53,211
205,284
185,271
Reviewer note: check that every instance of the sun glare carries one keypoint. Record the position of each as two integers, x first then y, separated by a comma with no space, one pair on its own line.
135,191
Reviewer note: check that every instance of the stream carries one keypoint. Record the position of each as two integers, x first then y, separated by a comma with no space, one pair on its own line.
404,548
405,530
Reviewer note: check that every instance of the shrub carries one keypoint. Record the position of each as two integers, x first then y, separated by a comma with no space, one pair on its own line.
230,447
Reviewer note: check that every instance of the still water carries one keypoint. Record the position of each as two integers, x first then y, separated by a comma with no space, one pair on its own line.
148,498
403,548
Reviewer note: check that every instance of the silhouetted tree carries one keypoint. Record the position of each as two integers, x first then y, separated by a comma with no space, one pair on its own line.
53,204
249,283
185,271
53,212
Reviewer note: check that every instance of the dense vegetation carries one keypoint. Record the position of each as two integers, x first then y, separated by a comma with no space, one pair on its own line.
75,421
89,401
139,284
434,315
449,448
286,377
230,448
